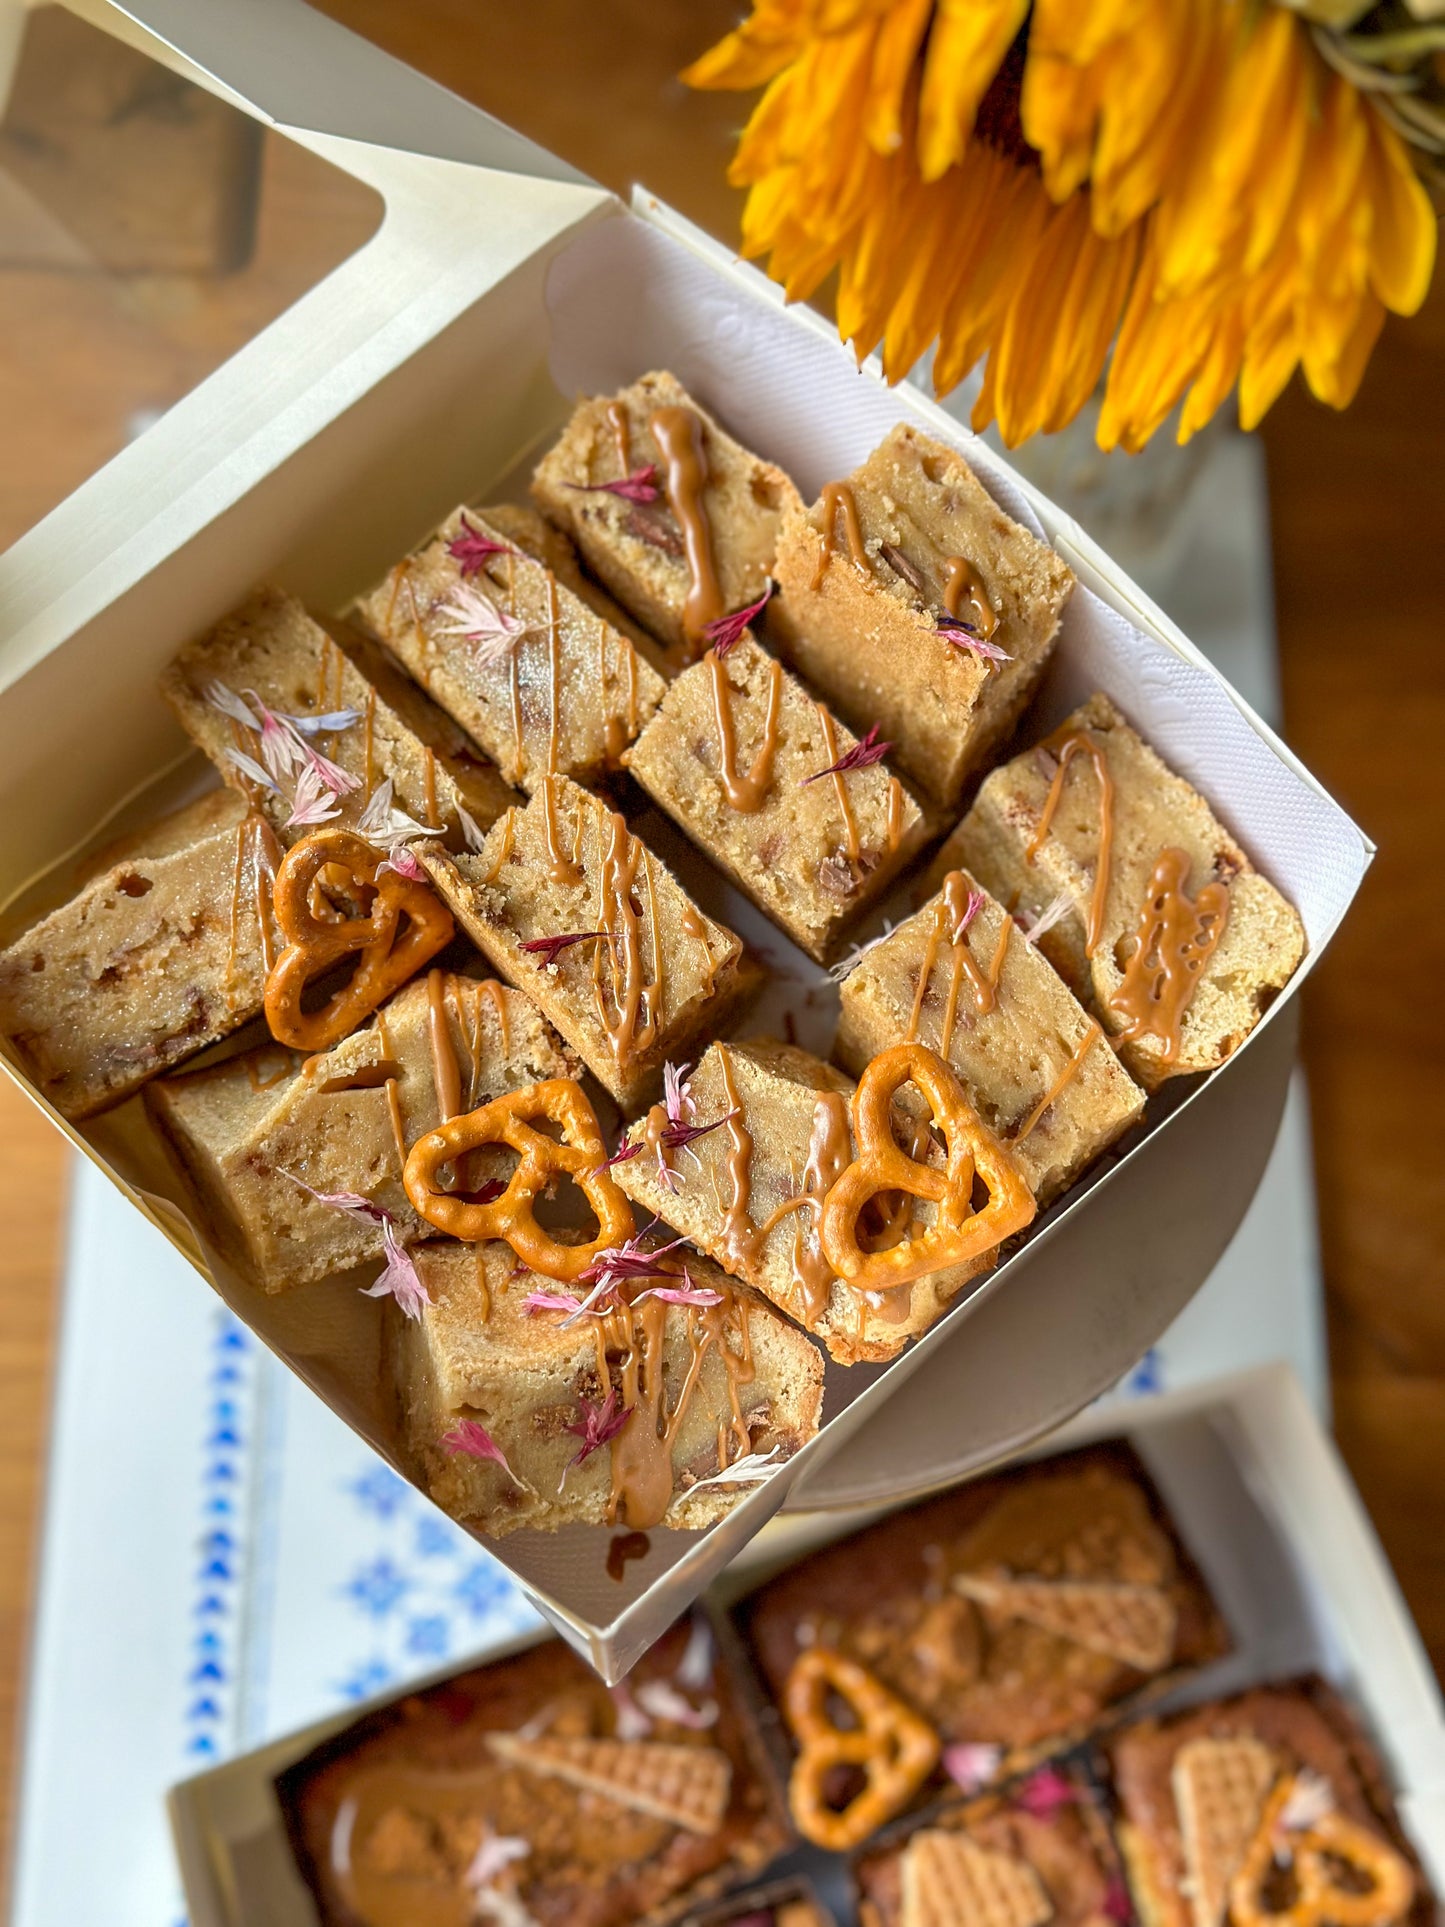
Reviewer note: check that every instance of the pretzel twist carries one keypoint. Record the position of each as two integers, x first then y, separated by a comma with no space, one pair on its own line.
540,1161
893,1748
1319,1852
405,925
958,1232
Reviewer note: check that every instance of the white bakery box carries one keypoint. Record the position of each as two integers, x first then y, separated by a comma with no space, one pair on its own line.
1262,1501
425,370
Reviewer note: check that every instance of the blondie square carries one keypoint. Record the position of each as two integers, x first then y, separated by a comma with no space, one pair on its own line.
261,1134
1012,1614
749,1193
270,658
525,1790
162,951
961,977
737,755
1155,916
572,908
727,1376
900,588
1226,1807
693,536
1039,1853
496,636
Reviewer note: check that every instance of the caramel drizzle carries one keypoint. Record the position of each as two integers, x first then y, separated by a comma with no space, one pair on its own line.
446,1072
630,657
255,841
393,1102
509,837
630,1016
254,1077
1061,1083
1174,939
484,1290
835,496
554,623
746,794
739,1233
694,926
677,432
952,908
398,575
1079,743
562,868
830,1148
642,1479
896,802
840,784
489,991
961,579
377,1895
621,428
429,788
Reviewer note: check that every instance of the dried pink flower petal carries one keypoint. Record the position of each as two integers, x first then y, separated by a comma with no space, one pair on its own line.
472,551
863,755
677,1093
1308,1801
631,1722
688,1294
252,770
329,723
1062,904
405,864
493,631
728,630
351,1202
399,1278
1045,1792
470,1439
961,635
599,1424
497,1852
312,803
536,1301
663,1701
548,949
695,1668
640,486
341,781
976,901
971,1764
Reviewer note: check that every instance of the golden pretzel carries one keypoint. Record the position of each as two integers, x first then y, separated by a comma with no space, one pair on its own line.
540,1160
404,926
958,1232
1319,1851
894,1749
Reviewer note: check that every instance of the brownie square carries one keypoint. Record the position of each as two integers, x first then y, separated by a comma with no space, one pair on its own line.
1248,1778
412,1812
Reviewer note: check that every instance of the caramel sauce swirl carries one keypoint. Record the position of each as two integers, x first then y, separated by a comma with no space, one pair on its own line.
561,868
896,801
1061,1083
677,432
952,908
962,582
1080,743
1173,939
375,1892
446,1072
258,856
621,436
840,784
746,794
836,496
628,1007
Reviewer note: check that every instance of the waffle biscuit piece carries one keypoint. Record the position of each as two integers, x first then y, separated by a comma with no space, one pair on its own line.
497,637
734,756
686,1785
702,546
865,578
251,1133
1134,1624
1170,935
161,952
651,973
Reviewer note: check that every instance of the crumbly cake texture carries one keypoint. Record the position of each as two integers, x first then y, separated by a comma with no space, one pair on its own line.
995,1863
1010,1055
1153,811
867,635
533,675
273,647
731,1187
1301,1725
531,530
251,1133
425,1788
885,1598
477,1353
159,954
638,549
627,1000
812,854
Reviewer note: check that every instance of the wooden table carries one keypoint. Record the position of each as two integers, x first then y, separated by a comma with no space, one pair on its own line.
1356,514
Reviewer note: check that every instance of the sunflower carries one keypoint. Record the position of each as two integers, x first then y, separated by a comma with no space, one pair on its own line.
1192,194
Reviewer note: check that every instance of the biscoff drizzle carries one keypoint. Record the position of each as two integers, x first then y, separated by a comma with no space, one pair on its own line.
1080,743
677,432
746,794
838,495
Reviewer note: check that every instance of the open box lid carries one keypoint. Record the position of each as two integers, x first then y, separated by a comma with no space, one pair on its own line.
176,529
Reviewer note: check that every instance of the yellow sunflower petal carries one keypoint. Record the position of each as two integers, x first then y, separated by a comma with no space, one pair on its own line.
1017,211
1404,230
1060,111
1338,382
1160,87
966,44
897,46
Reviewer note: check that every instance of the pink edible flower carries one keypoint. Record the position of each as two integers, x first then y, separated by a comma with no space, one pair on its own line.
664,1702
549,949
619,1264
728,630
472,551
252,770
976,901
962,635
971,1764
677,1094
312,803
351,1202
861,756
640,486
399,1278
1062,904
599,1424
631,1722
341,781
493,631
1045,1792
1307,1802
1117,1904
404,862
470,1439
686,1294
536,1301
